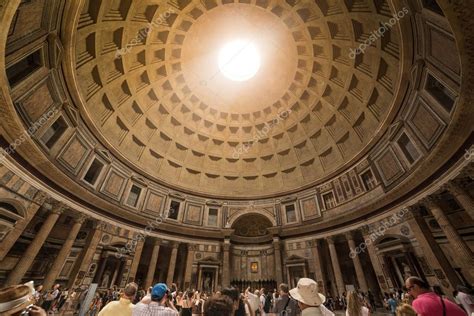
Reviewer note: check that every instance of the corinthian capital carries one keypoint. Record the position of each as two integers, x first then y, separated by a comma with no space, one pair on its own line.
431,201
455,188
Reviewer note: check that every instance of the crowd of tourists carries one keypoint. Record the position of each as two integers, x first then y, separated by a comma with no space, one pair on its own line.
418,298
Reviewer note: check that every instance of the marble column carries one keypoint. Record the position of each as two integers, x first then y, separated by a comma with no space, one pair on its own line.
357,265
226,263
136,260
463,254
61,257
84,260
263,265
100,272
11,238
432,252
462,197
34,247
189,266
278,268
318,269
116,263
243,265
121,268
374,259
172,264
152,265
336,267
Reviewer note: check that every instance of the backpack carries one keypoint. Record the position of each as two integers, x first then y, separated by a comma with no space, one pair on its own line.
268,304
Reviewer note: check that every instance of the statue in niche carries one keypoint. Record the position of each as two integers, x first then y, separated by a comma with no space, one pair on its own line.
406,270
105,279
207,283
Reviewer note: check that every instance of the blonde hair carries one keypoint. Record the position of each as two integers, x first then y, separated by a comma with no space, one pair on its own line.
354,305
405,310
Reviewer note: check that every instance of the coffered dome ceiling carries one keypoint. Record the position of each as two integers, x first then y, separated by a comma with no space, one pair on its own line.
152,91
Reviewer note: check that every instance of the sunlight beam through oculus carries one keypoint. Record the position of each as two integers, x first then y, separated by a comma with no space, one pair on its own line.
239,60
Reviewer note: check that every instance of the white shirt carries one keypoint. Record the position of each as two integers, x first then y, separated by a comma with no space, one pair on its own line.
262,304
467,301
317,311
253,301
364,310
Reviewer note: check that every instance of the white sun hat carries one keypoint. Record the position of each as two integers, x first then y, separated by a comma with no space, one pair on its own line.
307,292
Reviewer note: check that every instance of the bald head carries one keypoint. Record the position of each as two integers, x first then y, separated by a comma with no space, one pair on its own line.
416,286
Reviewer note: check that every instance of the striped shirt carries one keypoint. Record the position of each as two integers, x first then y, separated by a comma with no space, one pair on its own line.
153,309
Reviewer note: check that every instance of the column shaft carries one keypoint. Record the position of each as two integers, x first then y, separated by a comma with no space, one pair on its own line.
431,250
100,272
10,239
318,270
136,260
375,261
463,255
263,264
58,263
336,267
189,266
278,269
463,197
152,265
85,259
357,265
226,264
31,252
172,264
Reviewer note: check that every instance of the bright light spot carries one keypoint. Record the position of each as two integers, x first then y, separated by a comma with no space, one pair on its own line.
239,60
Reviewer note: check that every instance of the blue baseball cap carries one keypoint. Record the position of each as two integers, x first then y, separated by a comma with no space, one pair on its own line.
159,290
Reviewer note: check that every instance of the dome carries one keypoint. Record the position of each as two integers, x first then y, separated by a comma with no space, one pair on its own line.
150,87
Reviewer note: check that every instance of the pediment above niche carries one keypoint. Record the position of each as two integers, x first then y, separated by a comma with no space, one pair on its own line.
295,259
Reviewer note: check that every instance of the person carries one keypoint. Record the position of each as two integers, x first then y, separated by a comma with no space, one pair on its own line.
265,302
284,302
69,304
427,303
187,303
219,306
50,297
179,300
96,305
354,305
392,304
159,297
197,304
251,302
62,299
466,299
310,301
405,310
329,303
234,295
343,300
371,298
124,306
247,302
37,294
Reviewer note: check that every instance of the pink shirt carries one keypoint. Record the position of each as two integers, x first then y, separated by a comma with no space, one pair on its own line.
429,304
